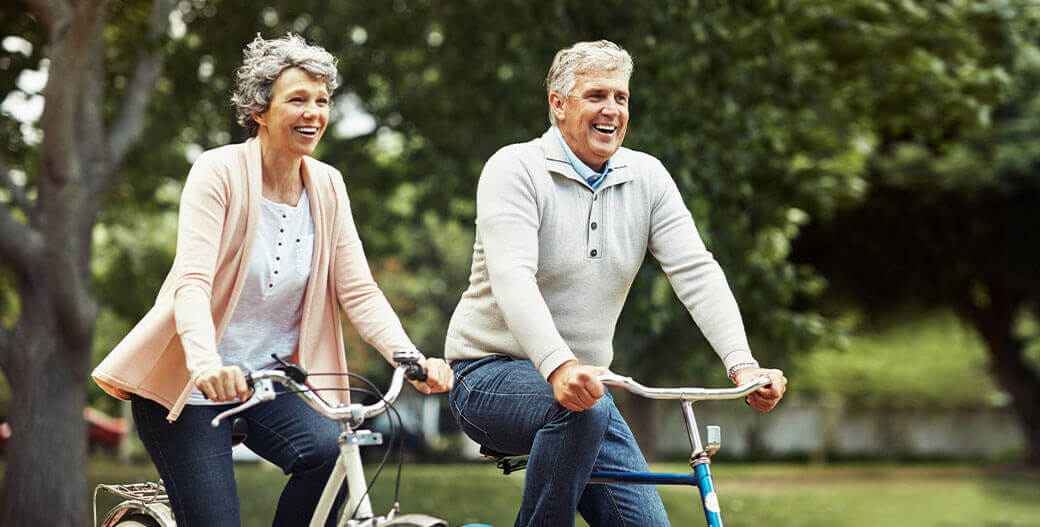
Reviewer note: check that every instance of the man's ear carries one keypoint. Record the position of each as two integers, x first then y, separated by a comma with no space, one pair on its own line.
556,102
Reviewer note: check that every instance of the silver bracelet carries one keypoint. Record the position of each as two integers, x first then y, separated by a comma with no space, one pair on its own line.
732,372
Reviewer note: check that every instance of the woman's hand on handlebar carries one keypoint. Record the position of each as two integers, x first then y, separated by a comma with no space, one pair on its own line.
766,397
439,377
223,384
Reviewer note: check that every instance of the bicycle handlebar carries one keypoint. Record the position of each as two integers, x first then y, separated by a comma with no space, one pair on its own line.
263,390
683,394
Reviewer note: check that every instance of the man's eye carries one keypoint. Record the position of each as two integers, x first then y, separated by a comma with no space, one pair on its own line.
594,98
622,99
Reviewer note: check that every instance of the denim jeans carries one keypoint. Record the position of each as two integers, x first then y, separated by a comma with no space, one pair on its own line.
507,405
194,459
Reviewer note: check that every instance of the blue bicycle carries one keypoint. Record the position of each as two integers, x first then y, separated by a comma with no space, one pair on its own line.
700,455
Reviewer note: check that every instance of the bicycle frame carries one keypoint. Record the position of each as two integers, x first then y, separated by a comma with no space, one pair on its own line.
348,465
700,455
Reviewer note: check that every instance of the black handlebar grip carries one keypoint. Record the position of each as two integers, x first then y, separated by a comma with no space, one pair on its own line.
415,372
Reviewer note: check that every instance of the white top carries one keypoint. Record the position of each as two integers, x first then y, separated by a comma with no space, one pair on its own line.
554,260
267,317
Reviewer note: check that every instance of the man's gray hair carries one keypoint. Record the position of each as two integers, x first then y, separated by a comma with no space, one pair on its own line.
583,57
264,61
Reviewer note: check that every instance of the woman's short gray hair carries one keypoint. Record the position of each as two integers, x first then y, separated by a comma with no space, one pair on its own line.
583,57
264,61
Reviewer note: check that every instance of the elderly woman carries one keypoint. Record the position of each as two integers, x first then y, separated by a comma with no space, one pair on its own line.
267,255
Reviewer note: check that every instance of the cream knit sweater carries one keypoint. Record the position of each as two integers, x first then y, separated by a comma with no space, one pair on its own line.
554,260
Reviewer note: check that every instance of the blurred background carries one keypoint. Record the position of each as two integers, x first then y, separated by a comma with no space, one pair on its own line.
867,172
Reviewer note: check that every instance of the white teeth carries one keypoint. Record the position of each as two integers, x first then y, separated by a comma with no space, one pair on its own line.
307,129
604,128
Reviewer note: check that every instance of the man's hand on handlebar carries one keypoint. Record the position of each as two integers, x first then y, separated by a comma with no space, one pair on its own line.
577,387
223,384
766,397
439,377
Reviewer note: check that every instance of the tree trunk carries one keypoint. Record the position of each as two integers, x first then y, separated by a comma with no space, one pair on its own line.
45,475
46,356
1011,370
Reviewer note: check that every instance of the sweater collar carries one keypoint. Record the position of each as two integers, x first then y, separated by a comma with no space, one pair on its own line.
557,162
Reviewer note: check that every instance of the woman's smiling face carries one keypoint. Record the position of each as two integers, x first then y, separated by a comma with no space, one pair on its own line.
298,113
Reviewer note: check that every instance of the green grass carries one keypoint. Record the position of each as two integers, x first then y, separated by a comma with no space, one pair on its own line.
777,495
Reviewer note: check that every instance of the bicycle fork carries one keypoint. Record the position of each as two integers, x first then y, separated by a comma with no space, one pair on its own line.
700,462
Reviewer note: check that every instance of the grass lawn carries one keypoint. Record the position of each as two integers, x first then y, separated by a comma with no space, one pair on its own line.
752,495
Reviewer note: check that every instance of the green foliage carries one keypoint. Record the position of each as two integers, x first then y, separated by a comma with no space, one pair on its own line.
769,115
918,361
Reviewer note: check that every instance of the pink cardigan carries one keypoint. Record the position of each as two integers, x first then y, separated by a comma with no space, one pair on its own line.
177,338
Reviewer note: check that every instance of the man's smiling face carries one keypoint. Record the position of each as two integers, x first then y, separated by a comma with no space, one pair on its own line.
593,118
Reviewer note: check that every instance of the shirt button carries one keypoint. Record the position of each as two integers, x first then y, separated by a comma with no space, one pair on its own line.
276,272
593,225
593,253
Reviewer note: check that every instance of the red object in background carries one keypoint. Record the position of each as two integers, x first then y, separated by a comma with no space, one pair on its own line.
103,429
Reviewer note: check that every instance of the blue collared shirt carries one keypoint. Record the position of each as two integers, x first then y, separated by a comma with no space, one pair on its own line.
593,178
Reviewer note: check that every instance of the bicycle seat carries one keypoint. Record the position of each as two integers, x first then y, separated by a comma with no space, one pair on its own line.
494,454
239,430
507,462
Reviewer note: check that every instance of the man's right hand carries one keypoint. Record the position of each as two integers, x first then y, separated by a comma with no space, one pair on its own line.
223,384
577,387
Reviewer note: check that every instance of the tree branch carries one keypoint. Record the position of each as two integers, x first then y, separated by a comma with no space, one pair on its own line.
18,195
6,346
127,127
20,246
54,15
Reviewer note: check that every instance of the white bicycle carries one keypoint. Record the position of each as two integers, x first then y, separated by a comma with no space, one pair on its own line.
147,505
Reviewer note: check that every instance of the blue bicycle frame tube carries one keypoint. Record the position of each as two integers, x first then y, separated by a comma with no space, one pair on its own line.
643,478
712,511
701,478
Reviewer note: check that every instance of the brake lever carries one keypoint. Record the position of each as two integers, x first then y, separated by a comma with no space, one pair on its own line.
263,390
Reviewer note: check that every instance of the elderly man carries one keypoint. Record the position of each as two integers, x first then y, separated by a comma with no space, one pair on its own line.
563,223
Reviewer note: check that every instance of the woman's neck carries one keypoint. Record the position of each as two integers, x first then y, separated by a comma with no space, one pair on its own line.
282,179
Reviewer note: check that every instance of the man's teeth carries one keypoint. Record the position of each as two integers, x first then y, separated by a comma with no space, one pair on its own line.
604,128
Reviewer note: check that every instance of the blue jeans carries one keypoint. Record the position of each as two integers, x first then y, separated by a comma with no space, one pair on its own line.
507,405
194,459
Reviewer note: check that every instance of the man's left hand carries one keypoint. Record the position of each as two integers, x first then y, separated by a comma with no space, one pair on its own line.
766,397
